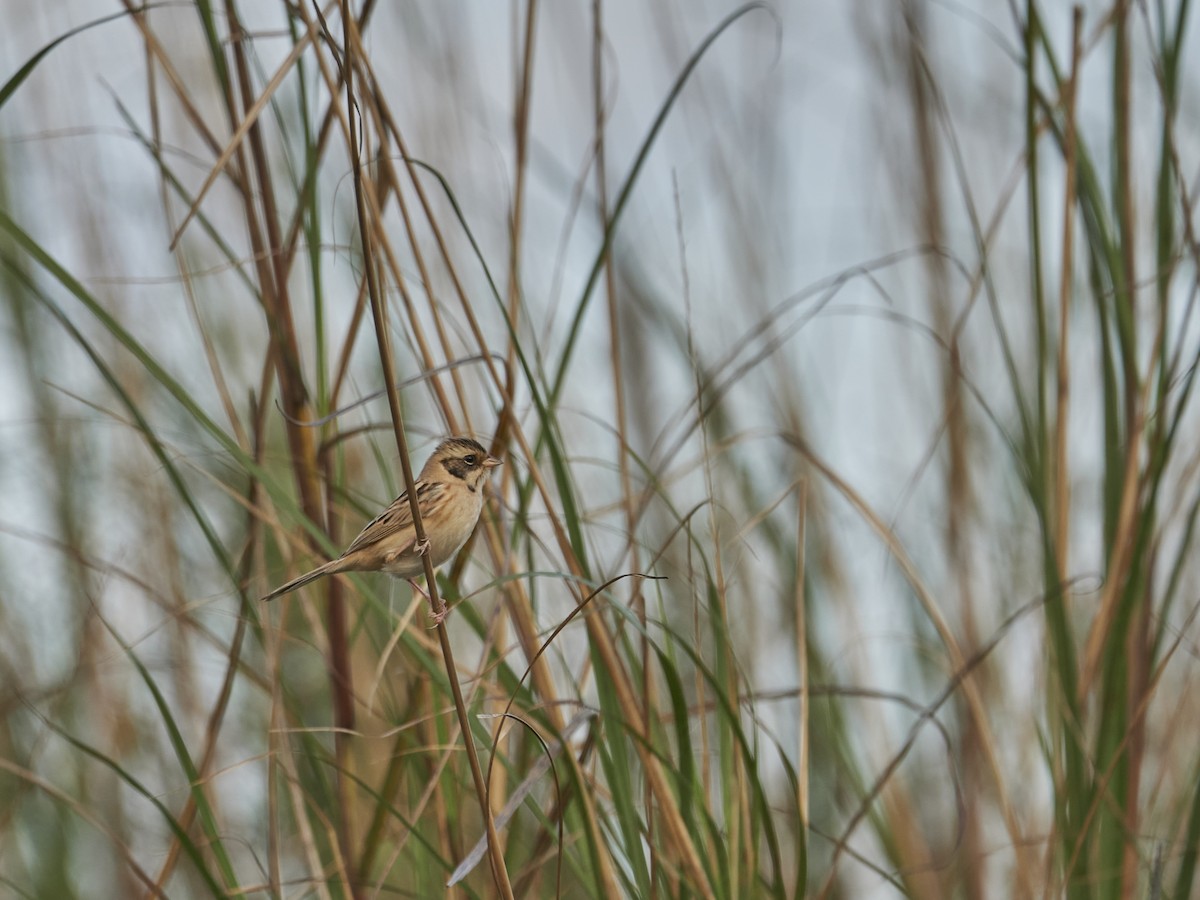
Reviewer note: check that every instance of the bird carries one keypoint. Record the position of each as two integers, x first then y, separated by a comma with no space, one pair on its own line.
450,497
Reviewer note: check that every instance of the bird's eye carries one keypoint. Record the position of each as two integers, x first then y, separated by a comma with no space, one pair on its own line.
469,459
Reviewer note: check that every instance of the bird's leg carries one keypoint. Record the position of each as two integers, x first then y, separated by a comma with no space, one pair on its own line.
437,618
421,548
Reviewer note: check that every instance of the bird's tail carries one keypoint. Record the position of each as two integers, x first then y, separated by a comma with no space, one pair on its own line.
334,565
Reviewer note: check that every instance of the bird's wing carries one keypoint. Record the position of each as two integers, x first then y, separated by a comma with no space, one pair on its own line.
397,517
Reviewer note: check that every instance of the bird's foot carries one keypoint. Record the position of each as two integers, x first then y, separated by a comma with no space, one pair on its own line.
435,618
421,547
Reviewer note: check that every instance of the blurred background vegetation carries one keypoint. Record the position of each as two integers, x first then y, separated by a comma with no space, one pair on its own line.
864,331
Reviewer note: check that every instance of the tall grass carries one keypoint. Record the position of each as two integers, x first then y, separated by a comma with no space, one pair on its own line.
866,576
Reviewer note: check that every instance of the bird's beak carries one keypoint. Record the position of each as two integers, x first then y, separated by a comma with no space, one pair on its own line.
491,462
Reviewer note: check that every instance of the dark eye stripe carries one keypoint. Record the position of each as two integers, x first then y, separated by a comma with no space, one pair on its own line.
458,467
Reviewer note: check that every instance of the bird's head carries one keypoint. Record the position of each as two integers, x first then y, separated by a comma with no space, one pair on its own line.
460,458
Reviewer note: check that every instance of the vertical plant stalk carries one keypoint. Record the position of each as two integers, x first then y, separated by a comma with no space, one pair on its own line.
521,141
520,123
379,313
637,598
1062,496
802,666
1137,640
1125,292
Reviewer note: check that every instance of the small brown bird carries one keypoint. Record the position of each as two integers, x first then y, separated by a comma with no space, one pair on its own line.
450,497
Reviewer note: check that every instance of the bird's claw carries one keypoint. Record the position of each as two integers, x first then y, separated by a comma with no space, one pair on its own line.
421,547
435,618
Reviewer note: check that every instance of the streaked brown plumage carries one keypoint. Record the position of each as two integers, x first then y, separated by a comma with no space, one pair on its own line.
450,497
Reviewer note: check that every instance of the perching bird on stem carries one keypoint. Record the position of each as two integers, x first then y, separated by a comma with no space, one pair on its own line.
450,497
